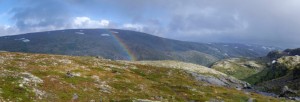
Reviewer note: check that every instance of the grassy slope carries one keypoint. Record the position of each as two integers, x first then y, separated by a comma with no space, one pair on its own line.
38,77
239,68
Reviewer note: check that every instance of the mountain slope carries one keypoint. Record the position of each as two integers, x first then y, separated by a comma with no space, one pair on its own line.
124,44
240,68
279,72
285,72
40,77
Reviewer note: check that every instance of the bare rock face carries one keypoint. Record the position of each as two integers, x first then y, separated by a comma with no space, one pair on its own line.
225,81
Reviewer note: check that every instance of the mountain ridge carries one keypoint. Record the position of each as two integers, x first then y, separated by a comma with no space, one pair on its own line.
124,44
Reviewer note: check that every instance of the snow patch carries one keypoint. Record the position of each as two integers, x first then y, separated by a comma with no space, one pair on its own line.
236,47
26,40
81,33
115,32
23,39
267,48
274,61
105,35
216,49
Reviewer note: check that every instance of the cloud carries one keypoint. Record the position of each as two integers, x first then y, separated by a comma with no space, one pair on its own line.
267,22
86,22
41,15
8,30
136,27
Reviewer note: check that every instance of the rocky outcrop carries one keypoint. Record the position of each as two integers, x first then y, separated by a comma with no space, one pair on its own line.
200,73
221,81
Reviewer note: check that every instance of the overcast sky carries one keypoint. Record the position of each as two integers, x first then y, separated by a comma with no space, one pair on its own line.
265,22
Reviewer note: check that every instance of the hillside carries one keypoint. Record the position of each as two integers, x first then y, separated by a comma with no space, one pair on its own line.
285,72
126,45
278,72
40,77
240,68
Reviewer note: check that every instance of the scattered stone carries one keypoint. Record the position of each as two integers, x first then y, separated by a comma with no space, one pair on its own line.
21,85
75,97
251,100
247,86
30,80
215,100
103,87
77,74
39,93
99,57
69,74
144,100
65,61
96,78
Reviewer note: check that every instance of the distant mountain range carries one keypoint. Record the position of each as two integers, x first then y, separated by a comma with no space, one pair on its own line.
126,45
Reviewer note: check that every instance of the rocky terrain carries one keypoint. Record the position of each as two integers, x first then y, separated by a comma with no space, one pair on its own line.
277,73
40,77
283,73
201,73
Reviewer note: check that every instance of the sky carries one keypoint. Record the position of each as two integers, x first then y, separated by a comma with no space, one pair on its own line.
264,22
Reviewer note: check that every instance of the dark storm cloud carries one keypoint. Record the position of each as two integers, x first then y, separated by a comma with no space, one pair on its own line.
39,14
271,22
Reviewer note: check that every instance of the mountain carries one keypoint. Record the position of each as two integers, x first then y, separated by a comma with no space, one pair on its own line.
126,45
43,77
278,72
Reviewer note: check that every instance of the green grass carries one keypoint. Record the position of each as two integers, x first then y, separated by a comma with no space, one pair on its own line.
240,69
124,83
76,80
11,90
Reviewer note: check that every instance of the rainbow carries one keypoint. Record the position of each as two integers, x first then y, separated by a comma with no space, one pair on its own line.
129,53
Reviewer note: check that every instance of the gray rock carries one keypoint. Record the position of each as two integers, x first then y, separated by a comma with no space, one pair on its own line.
69,74
250,100
220,81
144,100
215,100
75,96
